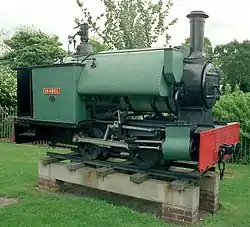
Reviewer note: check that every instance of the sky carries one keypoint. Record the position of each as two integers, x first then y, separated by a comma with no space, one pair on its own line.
227,20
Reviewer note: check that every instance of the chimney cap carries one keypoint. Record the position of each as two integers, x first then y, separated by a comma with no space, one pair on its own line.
197,13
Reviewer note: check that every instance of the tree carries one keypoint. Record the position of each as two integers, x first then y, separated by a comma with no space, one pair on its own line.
208,49
131,23
29,46
3,36
7,86
233,59
98,46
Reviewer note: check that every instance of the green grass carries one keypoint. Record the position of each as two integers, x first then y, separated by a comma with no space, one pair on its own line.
18,178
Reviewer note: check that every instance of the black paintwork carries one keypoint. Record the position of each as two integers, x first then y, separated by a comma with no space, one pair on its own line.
197,21
201,80
24,92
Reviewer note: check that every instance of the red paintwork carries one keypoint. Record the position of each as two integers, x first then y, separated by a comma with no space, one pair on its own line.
211,140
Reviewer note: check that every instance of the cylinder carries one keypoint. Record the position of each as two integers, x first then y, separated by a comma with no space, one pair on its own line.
197,22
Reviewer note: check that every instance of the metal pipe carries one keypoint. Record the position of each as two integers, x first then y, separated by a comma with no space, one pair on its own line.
107,132
197,22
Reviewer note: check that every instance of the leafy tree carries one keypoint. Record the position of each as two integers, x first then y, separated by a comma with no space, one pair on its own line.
208,49
233,59
131,23
3,36
29,46
7,86
98,46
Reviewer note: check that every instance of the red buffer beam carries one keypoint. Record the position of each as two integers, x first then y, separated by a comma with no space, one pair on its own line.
211,142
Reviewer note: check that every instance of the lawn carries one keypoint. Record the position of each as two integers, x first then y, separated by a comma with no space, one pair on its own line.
18,178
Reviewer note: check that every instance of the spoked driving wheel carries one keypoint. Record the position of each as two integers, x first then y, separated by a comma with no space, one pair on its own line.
145,158
90,151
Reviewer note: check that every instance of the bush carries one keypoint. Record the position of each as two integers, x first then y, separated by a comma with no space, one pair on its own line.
234,107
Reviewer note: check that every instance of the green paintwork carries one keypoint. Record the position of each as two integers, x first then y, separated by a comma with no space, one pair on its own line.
67,107
117,73
142,103
173,68
185,51
122,73
177,142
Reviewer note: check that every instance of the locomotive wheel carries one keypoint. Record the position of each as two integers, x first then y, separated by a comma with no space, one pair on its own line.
145,158
90,151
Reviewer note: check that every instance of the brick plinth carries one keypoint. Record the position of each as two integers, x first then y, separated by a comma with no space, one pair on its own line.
180,200
48,184
179,215
182,203
209,201
209,192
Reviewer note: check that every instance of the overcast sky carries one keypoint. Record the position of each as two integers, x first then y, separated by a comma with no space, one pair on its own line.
228,19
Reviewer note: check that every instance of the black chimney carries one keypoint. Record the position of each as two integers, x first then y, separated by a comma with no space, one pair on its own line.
197,21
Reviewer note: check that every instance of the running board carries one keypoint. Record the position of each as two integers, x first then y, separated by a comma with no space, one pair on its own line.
113,143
